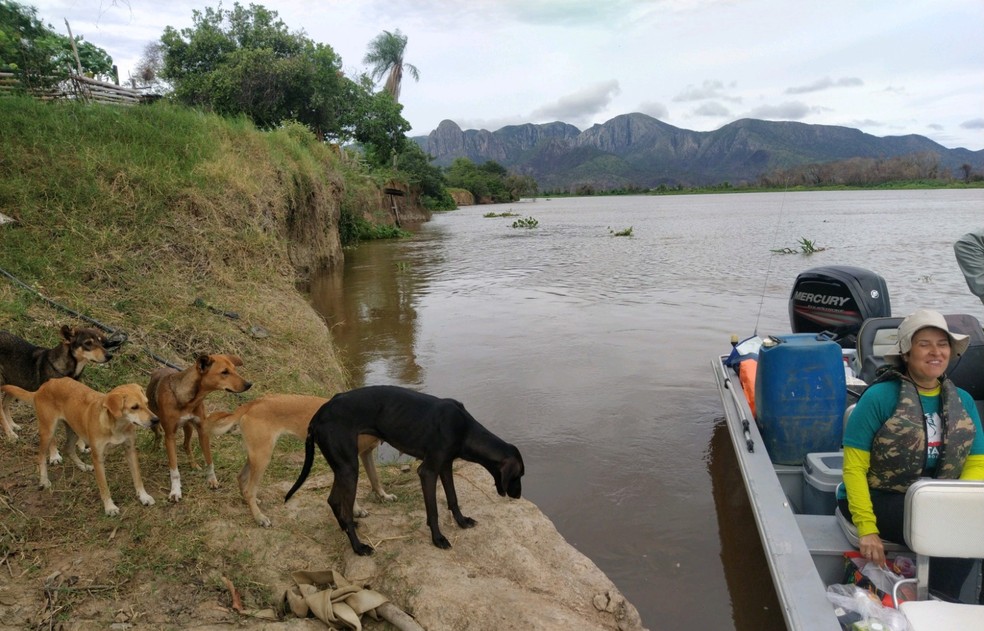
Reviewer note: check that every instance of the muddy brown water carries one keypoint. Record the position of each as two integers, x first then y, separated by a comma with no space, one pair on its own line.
592,353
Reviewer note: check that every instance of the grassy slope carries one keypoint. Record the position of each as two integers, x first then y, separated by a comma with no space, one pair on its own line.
128,215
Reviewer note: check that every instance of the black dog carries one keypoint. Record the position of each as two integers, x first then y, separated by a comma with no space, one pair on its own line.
27,366
437,431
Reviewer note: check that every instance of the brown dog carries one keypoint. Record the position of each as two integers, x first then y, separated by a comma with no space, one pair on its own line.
261,423
102,420
177,397
28,366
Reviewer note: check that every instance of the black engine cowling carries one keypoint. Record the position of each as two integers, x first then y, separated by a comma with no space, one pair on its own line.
837,298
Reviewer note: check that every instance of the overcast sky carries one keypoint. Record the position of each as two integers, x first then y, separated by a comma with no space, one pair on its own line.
886,67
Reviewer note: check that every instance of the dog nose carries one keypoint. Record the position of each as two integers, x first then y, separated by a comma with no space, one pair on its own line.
154,421
248,385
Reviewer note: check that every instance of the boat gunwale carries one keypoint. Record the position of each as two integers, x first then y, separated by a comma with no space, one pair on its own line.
800,591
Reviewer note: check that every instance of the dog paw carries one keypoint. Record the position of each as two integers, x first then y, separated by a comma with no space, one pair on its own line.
442,542
364,550
44,485
466,522
389,497
213,483
112,510
85,467
264,521
146,499
175,496
55,458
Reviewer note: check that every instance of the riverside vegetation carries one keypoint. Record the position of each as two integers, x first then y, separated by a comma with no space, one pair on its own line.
191,233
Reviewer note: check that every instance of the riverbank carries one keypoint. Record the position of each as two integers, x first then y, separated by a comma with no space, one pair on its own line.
190,234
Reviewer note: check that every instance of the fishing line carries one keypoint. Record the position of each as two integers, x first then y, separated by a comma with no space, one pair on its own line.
772,255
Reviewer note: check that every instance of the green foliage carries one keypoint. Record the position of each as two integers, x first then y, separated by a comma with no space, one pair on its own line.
246,61
380,128
806,247
505,214
627,232
526,222
489,181
415,165
352,229
38,55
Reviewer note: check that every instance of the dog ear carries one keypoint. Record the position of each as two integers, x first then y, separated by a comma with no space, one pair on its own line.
67,333
236,361
114,402
203,362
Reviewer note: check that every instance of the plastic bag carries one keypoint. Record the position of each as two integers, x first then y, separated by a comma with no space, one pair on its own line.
851,599
876,579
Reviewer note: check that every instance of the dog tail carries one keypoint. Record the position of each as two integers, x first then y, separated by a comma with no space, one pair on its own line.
308,461
19,393
220,422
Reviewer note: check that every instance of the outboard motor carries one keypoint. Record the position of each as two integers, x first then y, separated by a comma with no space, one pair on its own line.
837,298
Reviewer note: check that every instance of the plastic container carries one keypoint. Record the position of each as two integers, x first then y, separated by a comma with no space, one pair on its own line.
822,472
800,396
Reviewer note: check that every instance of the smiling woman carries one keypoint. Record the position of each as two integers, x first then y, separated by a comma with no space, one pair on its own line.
911,423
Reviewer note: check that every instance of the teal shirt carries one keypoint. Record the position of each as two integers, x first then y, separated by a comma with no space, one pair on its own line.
877,405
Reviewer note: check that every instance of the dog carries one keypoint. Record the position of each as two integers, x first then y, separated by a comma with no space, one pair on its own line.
101,420
437,431
177,398
27,366
261,423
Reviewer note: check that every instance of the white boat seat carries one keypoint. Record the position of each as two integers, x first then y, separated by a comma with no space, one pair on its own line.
943,519
851,532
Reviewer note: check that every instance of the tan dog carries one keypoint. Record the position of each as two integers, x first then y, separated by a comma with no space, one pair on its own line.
101,420
177,397
262,422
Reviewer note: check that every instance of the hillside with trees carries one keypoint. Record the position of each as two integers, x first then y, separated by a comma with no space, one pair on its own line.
638,152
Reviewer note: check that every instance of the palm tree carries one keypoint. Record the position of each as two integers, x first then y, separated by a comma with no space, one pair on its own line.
386,58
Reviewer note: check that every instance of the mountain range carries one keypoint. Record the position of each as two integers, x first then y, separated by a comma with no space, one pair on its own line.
641,151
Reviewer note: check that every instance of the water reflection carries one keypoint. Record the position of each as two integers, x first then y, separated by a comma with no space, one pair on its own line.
377,332
754,603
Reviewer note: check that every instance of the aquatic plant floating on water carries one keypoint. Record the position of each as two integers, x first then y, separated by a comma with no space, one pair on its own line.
806,246
526,222
621,233
505,214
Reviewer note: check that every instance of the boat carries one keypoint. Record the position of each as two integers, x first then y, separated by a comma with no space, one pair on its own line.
785,429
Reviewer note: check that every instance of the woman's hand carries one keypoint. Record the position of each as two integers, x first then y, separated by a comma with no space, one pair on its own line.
873,549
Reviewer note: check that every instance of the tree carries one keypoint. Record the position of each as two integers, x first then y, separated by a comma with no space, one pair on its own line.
39,56
386,58
381,128
246,61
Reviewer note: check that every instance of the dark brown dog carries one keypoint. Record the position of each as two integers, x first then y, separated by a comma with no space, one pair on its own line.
437,431
177,398
27,366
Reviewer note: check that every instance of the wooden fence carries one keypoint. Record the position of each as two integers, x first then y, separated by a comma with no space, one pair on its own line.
78,87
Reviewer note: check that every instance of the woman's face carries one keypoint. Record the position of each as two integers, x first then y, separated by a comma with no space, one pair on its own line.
929,356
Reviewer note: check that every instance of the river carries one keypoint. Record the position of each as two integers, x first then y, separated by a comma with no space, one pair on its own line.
591,352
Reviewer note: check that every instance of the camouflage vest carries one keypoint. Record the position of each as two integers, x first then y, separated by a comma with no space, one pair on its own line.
898,452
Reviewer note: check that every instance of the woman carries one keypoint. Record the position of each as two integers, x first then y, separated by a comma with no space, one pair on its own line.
911,423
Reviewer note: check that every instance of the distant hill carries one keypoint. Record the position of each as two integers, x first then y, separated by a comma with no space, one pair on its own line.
639,150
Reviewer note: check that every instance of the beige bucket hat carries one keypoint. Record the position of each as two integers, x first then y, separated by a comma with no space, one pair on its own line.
920,319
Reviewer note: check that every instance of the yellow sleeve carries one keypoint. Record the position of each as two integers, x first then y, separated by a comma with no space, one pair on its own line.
973,468
856,464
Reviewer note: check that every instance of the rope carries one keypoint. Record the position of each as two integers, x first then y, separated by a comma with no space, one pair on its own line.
772,255
116,337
